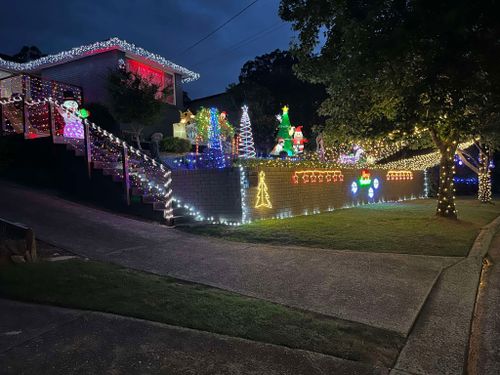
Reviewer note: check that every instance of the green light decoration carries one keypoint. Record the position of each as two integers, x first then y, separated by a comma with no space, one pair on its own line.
284,136
84,113
365,179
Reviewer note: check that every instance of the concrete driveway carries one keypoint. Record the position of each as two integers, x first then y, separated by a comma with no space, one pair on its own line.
383,290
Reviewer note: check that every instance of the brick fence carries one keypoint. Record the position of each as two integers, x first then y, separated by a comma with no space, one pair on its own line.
301,191
291,191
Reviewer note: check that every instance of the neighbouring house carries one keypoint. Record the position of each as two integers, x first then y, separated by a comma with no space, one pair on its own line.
87,67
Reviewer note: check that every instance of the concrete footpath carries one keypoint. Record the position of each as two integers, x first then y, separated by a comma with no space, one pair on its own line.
382,290
441,341
36,339
484,351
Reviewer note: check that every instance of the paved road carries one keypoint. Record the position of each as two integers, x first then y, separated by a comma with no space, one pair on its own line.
37,339
383,290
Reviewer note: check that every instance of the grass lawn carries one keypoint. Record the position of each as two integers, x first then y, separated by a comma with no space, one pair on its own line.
105,287
409,227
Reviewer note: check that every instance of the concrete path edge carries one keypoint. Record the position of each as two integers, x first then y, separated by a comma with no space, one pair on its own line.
479,250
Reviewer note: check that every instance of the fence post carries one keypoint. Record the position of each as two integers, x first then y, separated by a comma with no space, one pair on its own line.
2,125
52,125
25,118
88,148
126,177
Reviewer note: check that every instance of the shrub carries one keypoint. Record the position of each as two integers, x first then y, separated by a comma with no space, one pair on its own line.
175,145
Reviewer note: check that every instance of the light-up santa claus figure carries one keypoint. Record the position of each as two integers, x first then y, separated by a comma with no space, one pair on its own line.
298,140
73,126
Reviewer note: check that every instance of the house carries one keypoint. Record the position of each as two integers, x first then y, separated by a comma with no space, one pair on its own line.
88,66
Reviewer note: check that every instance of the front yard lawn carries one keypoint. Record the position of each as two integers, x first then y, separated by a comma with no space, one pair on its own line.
408,227
109,288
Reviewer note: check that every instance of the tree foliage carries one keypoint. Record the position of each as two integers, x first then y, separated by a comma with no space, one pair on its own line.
134,101
266,84
396,64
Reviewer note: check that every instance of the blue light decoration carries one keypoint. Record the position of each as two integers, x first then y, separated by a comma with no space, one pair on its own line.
354,187
465,180
371,193
366,181
215,155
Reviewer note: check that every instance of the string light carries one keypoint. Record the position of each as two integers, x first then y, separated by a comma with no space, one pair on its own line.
215,154
399,175
152,178
419,162
99,47
317,176
484,179
246,147
262,193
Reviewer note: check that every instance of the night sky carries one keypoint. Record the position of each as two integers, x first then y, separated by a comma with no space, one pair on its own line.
160,26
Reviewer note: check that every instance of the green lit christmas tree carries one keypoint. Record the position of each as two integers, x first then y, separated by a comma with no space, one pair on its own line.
285,133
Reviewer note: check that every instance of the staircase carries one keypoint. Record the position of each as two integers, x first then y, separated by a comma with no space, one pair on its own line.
142,178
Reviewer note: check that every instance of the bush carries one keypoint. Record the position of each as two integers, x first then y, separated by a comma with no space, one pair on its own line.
175,145
100,115
7,152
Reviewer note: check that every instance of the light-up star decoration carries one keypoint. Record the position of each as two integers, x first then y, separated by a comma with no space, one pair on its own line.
285,109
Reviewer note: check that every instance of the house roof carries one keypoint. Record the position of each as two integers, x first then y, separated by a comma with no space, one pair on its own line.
95,48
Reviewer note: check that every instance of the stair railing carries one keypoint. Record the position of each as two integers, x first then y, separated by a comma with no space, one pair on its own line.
101,149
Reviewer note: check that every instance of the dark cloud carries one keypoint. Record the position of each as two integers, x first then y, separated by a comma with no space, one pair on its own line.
164,27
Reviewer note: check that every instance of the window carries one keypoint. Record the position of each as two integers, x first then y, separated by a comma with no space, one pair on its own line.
164,80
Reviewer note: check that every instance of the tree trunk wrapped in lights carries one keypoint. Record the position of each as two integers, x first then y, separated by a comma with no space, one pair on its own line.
484,178
482,169
446,191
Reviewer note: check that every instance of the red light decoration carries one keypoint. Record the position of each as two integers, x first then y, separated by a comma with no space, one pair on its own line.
320,176
399,175
153,76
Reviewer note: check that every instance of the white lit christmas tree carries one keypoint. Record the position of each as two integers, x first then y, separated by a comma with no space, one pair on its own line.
246,148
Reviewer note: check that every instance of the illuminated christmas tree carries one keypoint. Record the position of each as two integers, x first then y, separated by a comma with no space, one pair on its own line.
284,135
246,148
215,154
262,193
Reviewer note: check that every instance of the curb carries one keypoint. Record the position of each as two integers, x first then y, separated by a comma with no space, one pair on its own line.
482,242
477,252
479,249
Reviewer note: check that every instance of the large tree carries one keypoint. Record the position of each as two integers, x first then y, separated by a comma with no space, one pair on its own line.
396,64
266,84
134,101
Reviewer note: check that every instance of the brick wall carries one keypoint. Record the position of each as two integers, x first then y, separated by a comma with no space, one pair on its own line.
216,193
213,192
290,199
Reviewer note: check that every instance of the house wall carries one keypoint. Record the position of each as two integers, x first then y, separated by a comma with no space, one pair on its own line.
179,97
90,73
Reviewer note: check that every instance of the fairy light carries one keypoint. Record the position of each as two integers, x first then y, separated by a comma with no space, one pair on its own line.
99,47
246,147
484,179
399,175
262,193
420,162
317,176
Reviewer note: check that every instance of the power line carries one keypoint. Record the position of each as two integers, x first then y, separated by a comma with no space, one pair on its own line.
217,29
252,38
